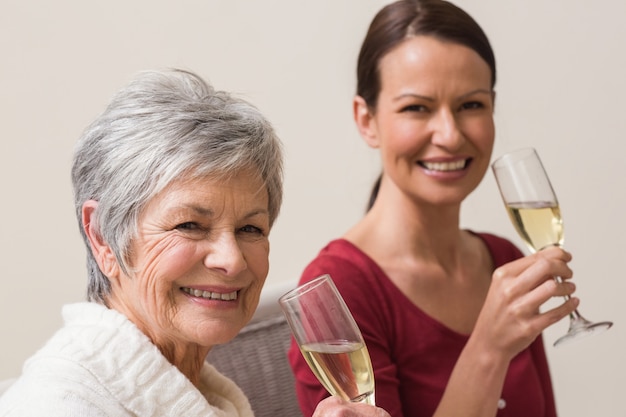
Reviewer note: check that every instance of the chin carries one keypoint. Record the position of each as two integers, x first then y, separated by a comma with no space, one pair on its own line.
220,333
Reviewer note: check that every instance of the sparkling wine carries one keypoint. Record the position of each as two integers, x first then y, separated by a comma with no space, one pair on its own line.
538,223
344,368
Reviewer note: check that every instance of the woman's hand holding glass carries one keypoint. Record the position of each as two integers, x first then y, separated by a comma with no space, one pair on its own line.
511,318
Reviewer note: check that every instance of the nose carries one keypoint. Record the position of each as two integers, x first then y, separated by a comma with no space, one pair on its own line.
225,255
446,131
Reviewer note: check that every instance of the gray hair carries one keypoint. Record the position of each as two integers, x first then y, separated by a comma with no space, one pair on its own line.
161,126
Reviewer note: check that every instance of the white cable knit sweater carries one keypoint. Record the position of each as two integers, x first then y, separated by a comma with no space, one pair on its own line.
100,364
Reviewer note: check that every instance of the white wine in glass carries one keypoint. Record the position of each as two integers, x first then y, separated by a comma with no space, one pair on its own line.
539,223
330,340
534,210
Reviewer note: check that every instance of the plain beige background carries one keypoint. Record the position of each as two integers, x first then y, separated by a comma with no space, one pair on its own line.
561,88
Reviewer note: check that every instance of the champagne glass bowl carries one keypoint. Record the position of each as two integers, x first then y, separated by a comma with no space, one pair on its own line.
329,339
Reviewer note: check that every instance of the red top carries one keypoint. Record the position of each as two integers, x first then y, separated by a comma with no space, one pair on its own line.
413,354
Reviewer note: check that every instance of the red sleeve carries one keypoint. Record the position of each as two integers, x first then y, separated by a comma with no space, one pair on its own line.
538,353
359,287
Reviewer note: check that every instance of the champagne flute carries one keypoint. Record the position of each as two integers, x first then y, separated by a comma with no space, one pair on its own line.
330,340
534,211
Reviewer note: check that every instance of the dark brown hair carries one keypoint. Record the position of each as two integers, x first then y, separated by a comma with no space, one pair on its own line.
405,19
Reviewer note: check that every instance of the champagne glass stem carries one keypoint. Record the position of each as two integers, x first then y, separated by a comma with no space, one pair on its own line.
578,325
574,315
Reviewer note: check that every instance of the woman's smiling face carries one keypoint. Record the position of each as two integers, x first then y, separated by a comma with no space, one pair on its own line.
433,120
198,263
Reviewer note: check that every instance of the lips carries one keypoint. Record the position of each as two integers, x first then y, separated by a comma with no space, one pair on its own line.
450,166
211,295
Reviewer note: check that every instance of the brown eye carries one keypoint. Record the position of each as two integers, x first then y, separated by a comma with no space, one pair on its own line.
252,229
415,108
472,105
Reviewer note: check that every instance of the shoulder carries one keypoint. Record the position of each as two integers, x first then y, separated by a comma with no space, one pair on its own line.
58,388
223,393
364,286
59,378
501,249
345,263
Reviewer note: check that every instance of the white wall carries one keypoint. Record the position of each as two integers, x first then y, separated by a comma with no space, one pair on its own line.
561,88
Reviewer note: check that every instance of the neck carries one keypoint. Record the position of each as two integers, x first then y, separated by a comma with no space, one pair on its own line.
409,230
188,359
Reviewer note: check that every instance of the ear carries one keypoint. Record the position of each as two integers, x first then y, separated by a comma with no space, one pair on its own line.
365,122
102,252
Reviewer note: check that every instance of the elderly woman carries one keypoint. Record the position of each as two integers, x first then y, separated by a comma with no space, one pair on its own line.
176,189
